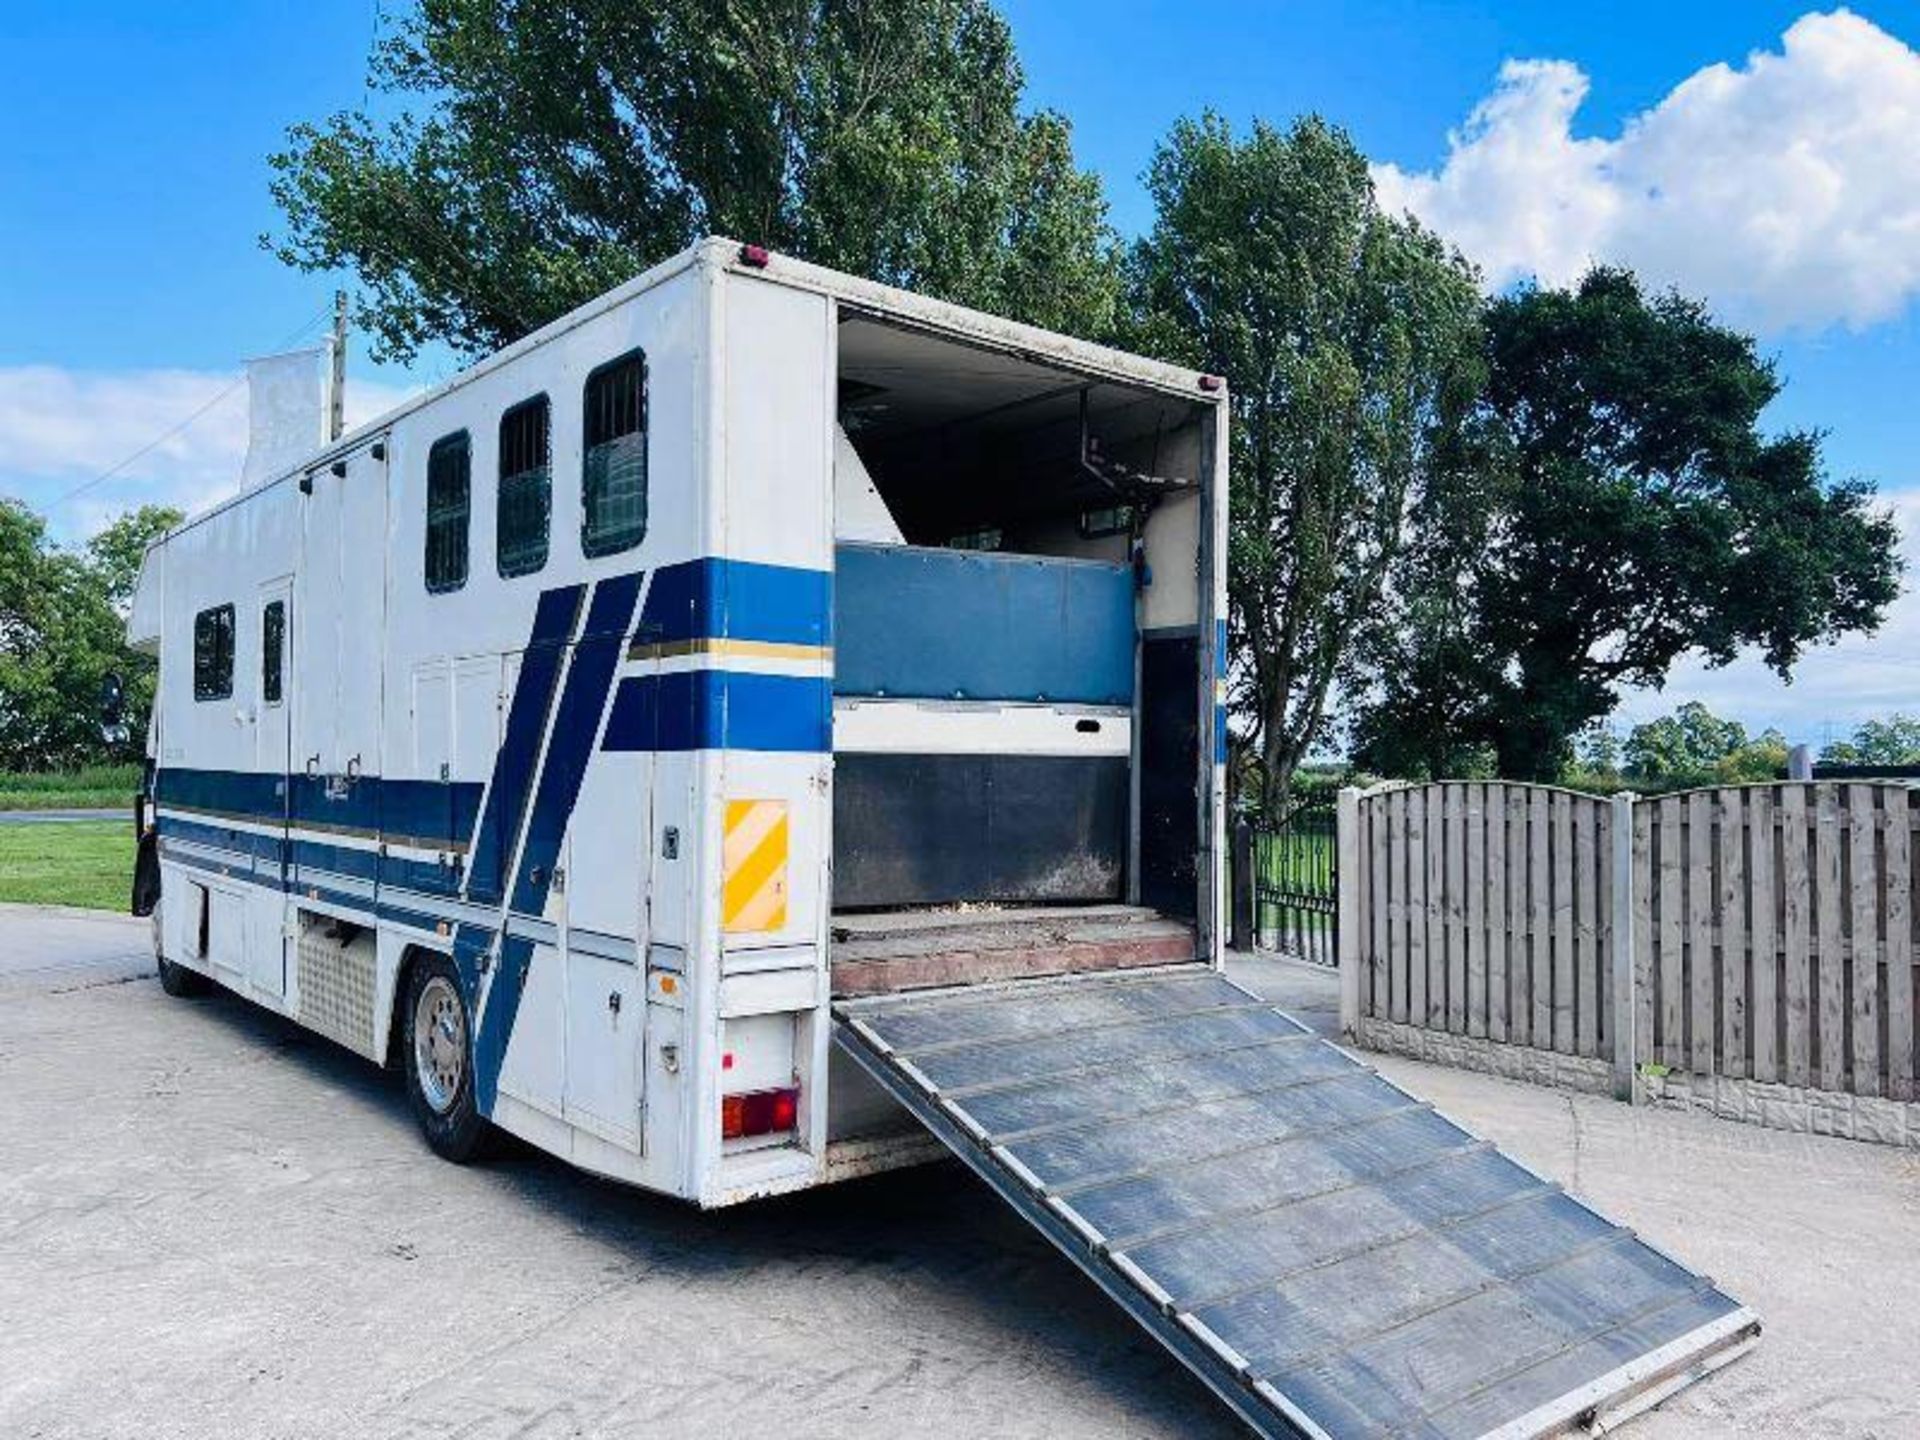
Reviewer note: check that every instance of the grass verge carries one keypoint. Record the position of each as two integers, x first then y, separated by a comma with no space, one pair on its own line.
82,862
91,787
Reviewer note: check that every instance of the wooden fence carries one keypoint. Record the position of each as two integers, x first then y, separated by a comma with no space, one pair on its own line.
1760,932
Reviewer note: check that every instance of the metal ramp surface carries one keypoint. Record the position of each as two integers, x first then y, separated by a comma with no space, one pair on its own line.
1330,1255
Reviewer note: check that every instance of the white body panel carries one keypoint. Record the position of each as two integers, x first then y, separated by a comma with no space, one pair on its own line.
551,778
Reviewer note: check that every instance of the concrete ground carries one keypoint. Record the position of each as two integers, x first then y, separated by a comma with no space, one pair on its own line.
211,1223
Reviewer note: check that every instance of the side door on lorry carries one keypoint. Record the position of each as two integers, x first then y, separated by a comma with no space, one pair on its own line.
339,621
611,851
273,738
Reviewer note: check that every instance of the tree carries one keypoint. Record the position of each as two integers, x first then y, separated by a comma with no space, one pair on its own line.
1350,343
1693,746
1893,741
1690,741
1636,514
565,145
62,632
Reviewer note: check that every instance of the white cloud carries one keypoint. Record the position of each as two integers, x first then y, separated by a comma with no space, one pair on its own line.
1786,191
1834,687
60,428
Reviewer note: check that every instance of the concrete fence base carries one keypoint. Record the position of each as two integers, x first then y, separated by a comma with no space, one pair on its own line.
1510,1062
1786,1107
1794,1108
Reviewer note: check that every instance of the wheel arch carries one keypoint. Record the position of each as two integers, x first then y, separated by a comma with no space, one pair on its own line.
410,957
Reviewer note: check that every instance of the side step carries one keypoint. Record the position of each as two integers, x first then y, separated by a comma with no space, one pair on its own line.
1327,1253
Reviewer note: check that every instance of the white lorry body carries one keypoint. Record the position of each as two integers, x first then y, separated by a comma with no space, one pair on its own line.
591,758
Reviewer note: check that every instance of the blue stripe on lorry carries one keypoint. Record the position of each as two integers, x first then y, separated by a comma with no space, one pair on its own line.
721,710
715,598
575,723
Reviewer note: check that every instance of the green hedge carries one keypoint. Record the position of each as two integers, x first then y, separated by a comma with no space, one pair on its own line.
92,786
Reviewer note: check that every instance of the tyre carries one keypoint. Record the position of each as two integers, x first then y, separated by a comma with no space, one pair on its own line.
179,981
176,980
439,1060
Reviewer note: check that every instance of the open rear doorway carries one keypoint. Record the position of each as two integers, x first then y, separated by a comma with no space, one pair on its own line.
1019,590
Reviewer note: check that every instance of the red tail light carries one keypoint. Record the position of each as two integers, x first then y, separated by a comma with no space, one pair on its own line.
763,1112
754,255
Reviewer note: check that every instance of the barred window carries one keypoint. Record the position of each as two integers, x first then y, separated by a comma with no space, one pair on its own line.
525,506
613,480
449,508
273,649
213,653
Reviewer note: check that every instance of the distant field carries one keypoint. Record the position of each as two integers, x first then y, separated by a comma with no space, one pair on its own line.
93,787
85,862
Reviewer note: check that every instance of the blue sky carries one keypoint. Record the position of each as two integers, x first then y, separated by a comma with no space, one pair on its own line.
1785,187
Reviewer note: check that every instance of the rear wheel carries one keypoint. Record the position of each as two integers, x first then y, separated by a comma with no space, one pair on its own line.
439,1051
176,980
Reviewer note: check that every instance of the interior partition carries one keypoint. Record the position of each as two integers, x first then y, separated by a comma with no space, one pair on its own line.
1020,669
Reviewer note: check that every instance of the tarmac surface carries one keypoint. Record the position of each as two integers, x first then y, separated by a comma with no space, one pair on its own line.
212,1223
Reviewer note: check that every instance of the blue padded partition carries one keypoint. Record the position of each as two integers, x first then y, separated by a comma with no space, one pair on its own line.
974,625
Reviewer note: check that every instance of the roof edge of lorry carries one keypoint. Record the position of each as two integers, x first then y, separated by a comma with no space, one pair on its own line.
1049,346
720,252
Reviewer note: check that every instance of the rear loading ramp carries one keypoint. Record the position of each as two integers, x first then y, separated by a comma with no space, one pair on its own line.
1325,1251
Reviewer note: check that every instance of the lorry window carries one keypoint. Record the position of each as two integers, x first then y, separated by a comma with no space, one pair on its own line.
613,481
273,643
213,653
449,505
526,488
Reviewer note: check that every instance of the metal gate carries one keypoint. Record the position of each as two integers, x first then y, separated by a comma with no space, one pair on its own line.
1296,881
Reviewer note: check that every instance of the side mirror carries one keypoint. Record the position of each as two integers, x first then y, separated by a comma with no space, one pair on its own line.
113,709
113,699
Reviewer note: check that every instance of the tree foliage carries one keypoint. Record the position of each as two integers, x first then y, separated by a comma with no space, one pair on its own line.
1694,746
1892,741
1350,343
62,632
561,146
1630,511
1689,748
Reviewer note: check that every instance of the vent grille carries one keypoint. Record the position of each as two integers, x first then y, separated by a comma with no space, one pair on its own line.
336,985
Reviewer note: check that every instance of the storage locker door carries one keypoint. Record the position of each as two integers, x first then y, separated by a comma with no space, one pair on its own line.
478,699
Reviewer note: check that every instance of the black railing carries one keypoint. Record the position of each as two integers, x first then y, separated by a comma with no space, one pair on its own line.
1296,889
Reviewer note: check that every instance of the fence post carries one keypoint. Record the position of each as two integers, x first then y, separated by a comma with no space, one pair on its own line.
1347,920
1625,1042
1240,908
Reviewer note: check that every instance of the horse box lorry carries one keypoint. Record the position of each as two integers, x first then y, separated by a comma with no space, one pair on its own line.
766,727
576,732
